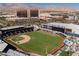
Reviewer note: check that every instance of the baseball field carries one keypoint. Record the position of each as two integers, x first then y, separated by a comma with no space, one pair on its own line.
37,42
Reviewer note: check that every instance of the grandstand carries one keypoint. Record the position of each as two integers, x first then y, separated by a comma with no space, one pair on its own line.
63,27
11,52
7,31
3,45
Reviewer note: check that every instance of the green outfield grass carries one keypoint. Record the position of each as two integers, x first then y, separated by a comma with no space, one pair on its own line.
40,43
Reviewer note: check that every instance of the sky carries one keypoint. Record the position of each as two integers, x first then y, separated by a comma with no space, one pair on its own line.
73,5
69,5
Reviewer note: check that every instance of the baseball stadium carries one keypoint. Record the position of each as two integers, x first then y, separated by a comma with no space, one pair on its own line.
36,42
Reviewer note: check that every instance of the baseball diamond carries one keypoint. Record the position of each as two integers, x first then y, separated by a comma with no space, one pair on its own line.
38,42
27,40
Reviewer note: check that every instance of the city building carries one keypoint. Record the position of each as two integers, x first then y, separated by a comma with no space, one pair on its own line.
19,13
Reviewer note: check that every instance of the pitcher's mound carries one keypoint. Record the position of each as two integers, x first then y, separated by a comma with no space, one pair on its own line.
25,39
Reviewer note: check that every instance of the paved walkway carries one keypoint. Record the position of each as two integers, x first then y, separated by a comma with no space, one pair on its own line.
76,53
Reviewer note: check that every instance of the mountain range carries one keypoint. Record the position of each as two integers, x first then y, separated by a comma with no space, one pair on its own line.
29,5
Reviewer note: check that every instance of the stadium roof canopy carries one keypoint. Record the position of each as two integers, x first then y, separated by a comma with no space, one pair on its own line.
63,25
11,27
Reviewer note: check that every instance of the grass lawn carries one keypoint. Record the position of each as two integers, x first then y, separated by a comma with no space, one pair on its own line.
40,42
66,53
